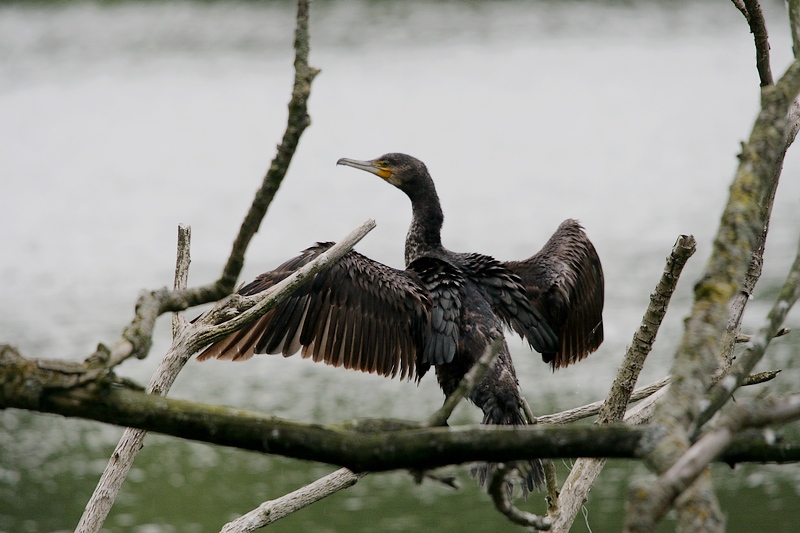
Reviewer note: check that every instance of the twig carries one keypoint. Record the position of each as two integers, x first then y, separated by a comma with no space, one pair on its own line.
182,273
697,358
104,495
585,471
756,347
755,19
658,496
467,384
498,490
591,409
136,338
550,475
273,510
761,377
743,337
189,340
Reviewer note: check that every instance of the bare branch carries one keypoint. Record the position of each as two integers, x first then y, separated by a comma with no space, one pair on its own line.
273,510
743,222
743,338
585,471
467,384
182,273
643,339
498,490
756,347
660,495
136,338
115,473
755,19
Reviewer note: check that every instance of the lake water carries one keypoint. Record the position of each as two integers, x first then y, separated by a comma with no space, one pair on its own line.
119,121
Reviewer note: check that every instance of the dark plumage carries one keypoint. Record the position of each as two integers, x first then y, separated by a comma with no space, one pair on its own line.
442,310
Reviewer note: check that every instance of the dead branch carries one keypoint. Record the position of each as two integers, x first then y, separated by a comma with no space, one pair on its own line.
697,359
136,338
581,477
659,496
501,497
756,347
116,471
189,340
467,384
273,510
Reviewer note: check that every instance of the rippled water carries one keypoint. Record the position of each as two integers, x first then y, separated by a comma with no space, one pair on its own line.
117,122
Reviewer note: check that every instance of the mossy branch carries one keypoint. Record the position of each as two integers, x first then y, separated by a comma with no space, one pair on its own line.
406,448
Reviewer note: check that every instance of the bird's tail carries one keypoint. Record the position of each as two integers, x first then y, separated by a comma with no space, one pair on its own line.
509,413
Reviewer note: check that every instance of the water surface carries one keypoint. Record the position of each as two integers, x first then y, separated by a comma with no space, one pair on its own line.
117,122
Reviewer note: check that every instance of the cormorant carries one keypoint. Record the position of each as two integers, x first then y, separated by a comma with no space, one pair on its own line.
441,311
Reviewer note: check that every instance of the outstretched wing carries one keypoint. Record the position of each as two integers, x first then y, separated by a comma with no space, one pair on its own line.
445,285
564,281
358,313
505,293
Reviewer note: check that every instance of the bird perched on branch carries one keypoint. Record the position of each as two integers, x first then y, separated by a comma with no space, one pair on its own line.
441,311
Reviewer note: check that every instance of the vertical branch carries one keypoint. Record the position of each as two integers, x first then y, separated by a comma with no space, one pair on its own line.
119,465
618,397
181,273
585,471
697,359
755,19
298,121
137,337
756,347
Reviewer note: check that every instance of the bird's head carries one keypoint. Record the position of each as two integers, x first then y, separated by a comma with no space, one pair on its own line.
403,171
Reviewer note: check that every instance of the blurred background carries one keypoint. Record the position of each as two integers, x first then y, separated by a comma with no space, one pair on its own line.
120,120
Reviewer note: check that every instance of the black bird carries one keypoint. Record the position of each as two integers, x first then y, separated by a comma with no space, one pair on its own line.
441,311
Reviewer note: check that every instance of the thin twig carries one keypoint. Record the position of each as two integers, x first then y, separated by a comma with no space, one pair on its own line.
498,490
742,338
660,494
585,471
136,338
273,510
591,409
467,383
189,340
724,389
755,19
130,443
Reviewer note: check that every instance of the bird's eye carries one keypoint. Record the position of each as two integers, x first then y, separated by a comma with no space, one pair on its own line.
384,164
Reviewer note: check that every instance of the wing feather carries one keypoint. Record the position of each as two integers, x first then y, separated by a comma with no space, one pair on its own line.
564,282
357,313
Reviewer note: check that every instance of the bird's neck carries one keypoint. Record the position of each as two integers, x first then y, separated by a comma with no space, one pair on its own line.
424,234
